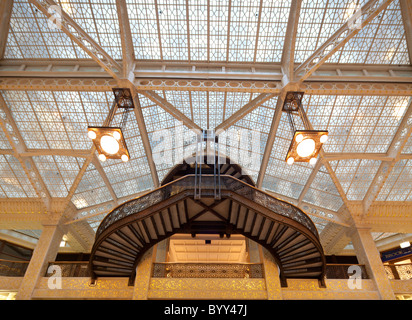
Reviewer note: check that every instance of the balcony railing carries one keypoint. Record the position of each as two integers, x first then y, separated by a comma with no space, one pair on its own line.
207,270
203,270
344,271
13,268
399,271
68,269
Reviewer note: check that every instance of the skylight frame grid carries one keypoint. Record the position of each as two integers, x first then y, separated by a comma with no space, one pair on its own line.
100,21
16,176
397,186
26,25
355,176
173,29
57,119
243,30
274,16
198,29
145,29
91,189
318,20
382,41
58,173
218,30
358,124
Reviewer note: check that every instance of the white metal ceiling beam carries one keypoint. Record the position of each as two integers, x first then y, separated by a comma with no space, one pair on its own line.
406,10
185,75
126,39
6,7
271,139
144,136
128,73
288,55
51,83
394,152
346,32
171,109
15,139
100,169
80,37
243,111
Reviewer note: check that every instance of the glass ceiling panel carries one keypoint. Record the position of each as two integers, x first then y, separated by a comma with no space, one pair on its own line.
91,189
245,141
30,37
382,41
58,172
407,149
323,192
13,180
4,143
166,135
100,21
356,123
355,176
232,30
318,20
57,119
398,185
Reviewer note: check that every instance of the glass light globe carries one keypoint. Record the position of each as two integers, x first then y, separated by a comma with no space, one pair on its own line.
102,157
116,135
299,138
306,148
124,158
290,161
313,161
91,134
323,138
109,144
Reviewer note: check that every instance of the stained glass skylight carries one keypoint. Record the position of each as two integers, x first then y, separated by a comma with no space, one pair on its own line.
205,36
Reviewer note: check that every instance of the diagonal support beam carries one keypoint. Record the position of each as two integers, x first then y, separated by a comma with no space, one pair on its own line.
16,141
168,107
406,10
346,32
242,112
80,37
100,169
394,152
288,57
144,136
6,7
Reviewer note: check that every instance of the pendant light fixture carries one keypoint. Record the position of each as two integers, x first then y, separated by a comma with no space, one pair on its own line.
109,141
306,144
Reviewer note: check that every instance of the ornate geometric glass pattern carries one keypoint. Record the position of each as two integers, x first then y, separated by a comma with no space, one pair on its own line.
14,182
228,47
355,176
397,186
209,30
58,172
356,123
30,37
